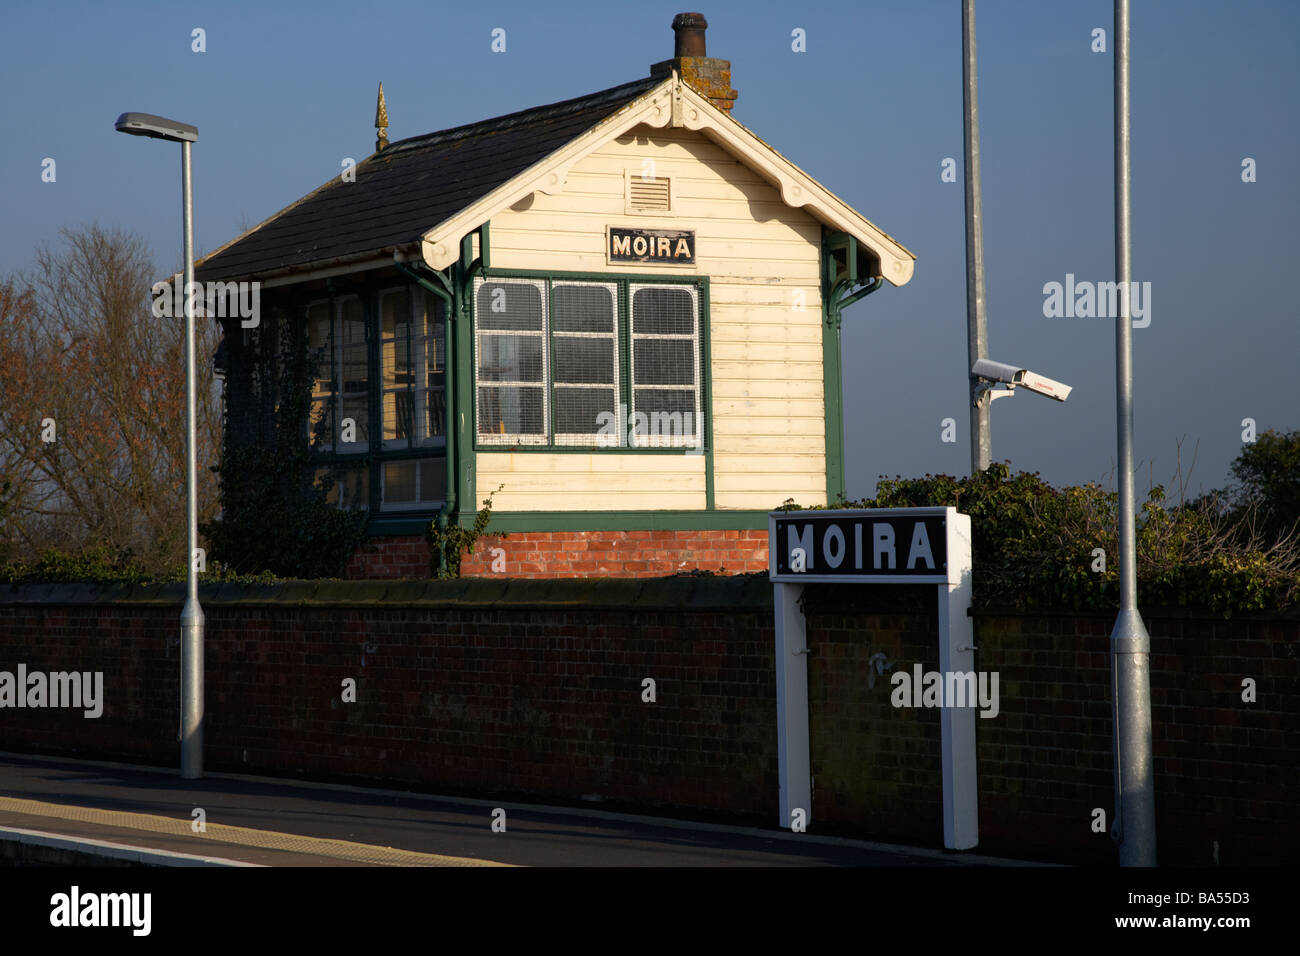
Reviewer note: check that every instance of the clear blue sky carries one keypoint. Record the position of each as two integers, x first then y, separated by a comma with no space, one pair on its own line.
286,90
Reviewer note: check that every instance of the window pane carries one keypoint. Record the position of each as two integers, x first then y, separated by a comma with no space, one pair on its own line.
395,332
355,362
663,362
433,480
396,359
399,482
354,407
356,488
354,322
320,427
582,308
578,410
584,360
509,305
668,413
319,344
398,409
320,354
436,410
666,311
395,314
430,351
348,488
510,358
511,410
436,330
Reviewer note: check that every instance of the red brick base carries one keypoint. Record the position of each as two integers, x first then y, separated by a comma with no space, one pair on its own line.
394,556
573,554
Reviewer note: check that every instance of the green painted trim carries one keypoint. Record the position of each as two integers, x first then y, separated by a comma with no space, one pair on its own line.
706,386
466,499
577,450
400,523
847,300
836,297
592,276
832,385
517,521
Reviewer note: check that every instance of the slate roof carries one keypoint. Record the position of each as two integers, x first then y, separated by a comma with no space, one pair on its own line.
405,190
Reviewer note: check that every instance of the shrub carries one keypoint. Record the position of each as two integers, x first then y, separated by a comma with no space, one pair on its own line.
1035,546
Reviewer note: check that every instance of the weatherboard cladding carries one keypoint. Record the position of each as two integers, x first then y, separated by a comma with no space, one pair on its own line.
412,186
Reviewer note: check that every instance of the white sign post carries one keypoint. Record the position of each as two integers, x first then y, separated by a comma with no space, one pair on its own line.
874,545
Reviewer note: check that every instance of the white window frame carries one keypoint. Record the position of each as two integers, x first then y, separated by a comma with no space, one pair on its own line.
665,441
507,438
592,438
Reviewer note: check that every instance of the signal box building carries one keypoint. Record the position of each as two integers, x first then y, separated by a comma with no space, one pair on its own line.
618,315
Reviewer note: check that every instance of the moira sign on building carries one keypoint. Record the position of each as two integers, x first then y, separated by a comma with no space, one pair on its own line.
651,245
862,545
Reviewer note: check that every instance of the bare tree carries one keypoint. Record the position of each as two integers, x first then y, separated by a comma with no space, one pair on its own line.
92,405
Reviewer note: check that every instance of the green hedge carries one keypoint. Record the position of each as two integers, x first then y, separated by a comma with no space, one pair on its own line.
1034,546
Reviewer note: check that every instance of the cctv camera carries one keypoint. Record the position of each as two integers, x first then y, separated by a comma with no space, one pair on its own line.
1011,376
1043,385
995,371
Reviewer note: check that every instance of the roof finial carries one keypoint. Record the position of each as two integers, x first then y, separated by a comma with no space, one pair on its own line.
381,121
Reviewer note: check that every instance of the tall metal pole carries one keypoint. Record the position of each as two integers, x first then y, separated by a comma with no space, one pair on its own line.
981,444
192,614
1130,646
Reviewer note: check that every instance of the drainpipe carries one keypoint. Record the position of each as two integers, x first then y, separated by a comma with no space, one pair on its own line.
450,311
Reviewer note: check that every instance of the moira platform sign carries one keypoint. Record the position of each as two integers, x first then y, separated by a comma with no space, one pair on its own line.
883,544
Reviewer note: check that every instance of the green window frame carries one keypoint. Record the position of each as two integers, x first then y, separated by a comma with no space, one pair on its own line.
637,380
380,357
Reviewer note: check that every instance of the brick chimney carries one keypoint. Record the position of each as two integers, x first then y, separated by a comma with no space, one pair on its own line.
710,76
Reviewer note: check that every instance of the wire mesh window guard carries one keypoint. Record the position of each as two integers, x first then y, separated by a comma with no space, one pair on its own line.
665,361
550,363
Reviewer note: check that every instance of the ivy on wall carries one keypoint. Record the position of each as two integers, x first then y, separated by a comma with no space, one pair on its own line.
449,545
275,513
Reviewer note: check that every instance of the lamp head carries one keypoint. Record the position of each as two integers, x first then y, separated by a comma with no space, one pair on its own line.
156,127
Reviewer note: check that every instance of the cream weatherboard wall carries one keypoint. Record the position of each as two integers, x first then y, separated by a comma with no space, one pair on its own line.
762,259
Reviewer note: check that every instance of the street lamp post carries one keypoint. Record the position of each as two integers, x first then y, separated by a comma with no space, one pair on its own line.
1134,826
977,335
157,127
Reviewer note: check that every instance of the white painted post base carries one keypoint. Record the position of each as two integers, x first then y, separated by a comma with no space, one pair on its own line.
957,724
793,762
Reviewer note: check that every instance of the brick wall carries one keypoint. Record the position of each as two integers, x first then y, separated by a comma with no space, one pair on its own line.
573,554
534,688
391,556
